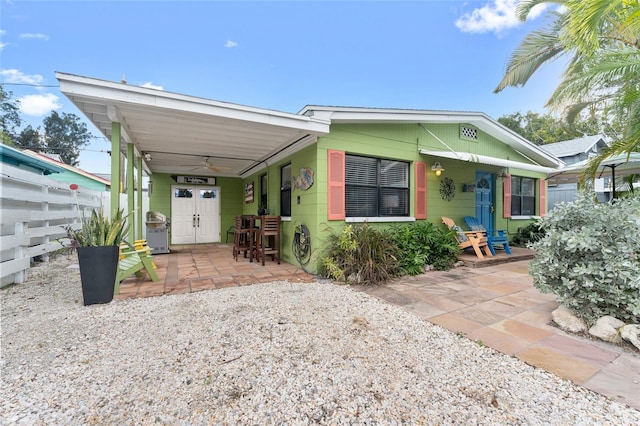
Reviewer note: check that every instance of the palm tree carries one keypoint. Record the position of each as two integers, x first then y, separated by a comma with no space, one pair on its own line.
601,41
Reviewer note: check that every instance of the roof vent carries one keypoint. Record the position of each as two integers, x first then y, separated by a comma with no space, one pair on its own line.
468,133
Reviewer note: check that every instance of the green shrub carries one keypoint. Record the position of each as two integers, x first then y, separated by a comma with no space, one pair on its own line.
361,255
528,235
590,258
421,243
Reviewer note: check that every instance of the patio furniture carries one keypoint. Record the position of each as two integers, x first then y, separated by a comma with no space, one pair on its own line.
242,236
133,260
267,238
469,239
230,232
500,240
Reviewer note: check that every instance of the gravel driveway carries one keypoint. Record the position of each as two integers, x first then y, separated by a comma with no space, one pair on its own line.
277,353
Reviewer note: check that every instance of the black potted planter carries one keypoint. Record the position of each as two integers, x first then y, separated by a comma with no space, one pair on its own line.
98,269
98,244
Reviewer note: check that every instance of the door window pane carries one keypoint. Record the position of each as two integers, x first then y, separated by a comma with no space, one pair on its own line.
183,193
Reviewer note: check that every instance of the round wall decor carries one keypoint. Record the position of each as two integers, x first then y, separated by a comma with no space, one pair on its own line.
447,189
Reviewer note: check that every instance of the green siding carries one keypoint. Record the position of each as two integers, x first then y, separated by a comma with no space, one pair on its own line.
392,141
231,198
305,213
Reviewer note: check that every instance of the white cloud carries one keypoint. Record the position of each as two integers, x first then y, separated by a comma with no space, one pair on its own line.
2,45
495,16
230,44
39,105
15,76
36,36
150,85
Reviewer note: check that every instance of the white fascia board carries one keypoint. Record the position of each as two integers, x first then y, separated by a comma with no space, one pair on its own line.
484,159
477,119
114,93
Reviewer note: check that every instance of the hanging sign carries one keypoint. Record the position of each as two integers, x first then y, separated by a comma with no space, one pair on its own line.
205,180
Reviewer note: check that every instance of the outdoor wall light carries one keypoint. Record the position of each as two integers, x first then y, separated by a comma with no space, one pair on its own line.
147,156
437,168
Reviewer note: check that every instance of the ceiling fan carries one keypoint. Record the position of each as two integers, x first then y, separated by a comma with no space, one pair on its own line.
205,164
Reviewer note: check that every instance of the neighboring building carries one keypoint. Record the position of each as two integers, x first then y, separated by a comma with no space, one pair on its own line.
72,174
324,167
575,150
17,158
571,152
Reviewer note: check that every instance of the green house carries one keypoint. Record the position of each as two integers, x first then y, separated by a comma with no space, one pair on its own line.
323,167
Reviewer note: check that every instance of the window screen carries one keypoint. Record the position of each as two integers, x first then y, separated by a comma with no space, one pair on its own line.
523,196
376,187
285,190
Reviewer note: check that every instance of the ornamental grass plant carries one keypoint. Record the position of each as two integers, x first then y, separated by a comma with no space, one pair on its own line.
99,230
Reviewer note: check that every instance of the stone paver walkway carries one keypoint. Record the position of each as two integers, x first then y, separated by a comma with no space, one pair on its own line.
496,305
499,307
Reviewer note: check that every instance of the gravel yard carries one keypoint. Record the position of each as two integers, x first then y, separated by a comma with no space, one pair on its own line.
277,353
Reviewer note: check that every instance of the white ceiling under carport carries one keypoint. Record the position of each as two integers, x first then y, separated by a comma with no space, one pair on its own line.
181,132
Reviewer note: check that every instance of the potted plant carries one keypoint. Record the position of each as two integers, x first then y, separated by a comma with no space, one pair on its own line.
262,209
98,243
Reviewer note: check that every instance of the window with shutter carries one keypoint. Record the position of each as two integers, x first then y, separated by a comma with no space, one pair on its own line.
376,187
523,196
543,197
335,185
421,190
506,197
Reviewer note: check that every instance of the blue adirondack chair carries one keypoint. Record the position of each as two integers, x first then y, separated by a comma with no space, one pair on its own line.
499,240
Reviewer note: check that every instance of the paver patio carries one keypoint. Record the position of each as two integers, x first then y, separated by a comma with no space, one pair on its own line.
498,307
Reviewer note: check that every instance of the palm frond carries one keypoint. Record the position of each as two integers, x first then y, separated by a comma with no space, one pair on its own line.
524,7
586,20
535,50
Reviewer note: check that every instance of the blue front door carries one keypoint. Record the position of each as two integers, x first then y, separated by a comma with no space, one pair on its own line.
484,200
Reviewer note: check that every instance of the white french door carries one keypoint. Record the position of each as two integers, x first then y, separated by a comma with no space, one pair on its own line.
195,214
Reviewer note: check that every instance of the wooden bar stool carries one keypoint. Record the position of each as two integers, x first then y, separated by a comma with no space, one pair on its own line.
267,238
241,237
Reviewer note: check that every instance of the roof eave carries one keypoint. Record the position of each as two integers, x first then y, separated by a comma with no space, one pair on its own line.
477,119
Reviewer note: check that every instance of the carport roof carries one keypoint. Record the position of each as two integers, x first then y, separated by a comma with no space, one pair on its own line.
185,134
622,165
195,136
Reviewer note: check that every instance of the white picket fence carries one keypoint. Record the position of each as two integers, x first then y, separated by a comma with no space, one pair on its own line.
34,212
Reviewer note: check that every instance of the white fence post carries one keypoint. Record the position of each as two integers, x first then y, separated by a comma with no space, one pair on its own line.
34,211
19,251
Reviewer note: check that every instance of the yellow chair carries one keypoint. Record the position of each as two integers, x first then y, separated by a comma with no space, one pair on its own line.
133,259
469,239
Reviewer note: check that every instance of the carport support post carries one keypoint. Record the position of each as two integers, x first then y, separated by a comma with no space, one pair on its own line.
131,206
139,198
115,168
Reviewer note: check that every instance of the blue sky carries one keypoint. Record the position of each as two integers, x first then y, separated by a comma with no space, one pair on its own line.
438,55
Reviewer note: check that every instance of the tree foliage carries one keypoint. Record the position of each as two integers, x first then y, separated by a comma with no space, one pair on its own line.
600,41
542,129
64,135
30,138
10,119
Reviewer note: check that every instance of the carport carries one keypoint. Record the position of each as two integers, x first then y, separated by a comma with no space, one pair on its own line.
617,167
163,132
